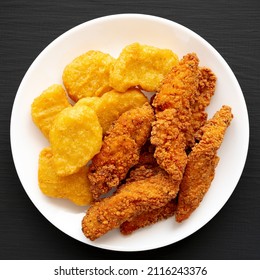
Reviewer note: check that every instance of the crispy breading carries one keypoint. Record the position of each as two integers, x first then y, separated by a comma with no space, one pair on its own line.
179,86
170,143
173,115
146,168
120,150
206,89
130,200
148,218
201,164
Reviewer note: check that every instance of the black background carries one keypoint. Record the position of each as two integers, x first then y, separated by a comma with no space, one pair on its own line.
232,27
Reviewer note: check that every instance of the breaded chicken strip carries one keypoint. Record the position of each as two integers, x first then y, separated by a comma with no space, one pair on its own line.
202,160
179,86
170,143
202,97
146,168
120,150
148,218
206,89
173,115
130,200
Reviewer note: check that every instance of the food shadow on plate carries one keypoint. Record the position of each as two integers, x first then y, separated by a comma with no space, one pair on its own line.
65,205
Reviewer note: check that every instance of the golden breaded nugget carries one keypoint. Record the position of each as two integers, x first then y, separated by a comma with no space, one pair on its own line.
141,65
74,187
110,106
45,107
75,137
88,75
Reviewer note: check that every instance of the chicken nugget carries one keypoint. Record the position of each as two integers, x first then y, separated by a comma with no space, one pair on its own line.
141,65
47,106
88,75
112,104
75,137
74,187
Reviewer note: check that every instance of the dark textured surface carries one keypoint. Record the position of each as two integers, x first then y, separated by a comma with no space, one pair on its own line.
232,27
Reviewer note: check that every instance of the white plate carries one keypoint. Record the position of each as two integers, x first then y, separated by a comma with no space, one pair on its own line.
110,34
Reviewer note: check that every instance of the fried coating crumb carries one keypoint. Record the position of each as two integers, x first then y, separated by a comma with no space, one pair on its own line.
201,164
202,98
120,150
173,115
148,218
146,168
130,200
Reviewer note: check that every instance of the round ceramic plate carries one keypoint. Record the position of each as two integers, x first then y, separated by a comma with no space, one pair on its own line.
110,34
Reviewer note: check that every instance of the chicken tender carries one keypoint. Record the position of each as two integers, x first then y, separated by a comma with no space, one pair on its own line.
170,143
130,200
206,89
201,164
148,218
47,106
198,116
120,149
88,75
112,104
146,168
141,65
173,115
74,187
